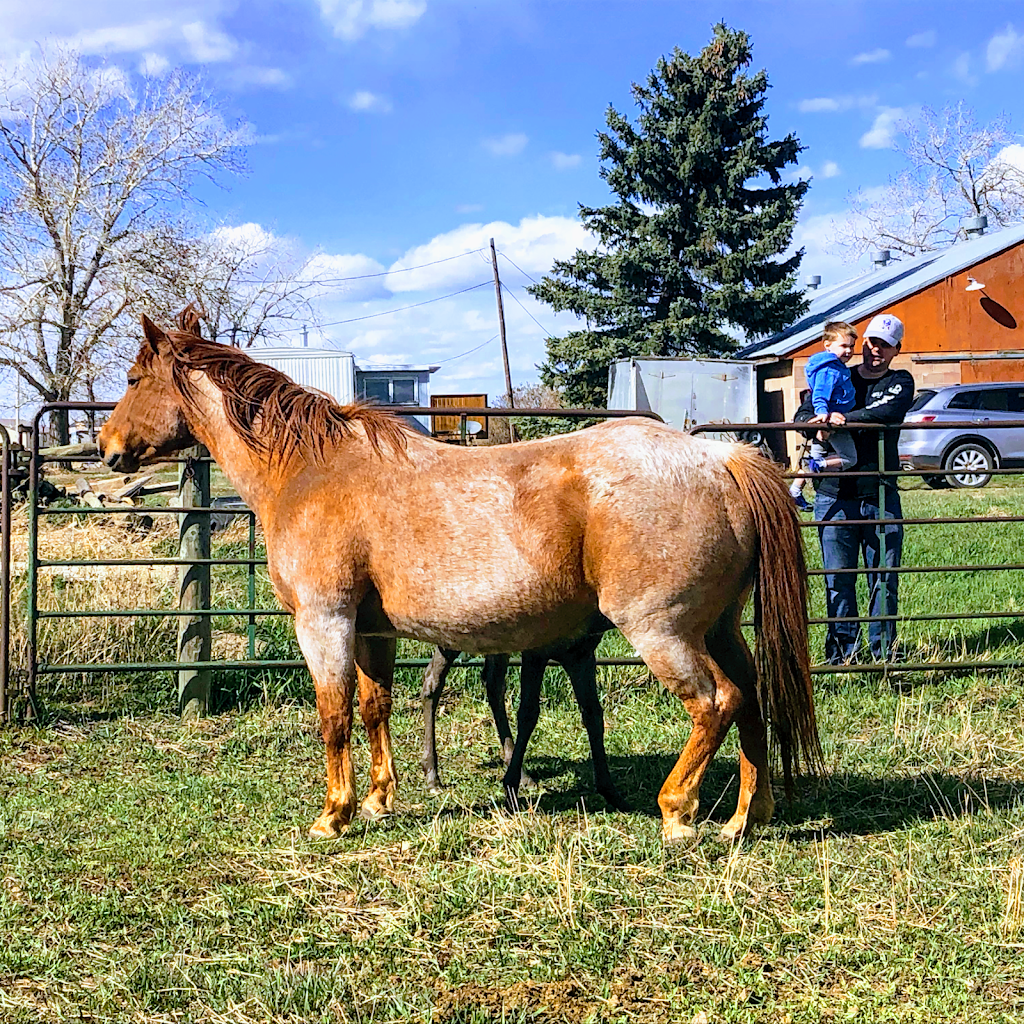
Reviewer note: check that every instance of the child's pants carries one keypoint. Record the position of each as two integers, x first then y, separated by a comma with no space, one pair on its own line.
841,442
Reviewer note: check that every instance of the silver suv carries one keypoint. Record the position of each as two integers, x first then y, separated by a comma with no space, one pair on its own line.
967,453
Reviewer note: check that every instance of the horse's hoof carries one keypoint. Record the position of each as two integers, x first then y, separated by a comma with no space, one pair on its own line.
615,801
673,832
733,832
373,809
327,826
435,789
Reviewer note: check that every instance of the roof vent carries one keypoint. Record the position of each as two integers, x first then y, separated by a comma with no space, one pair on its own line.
880,257
813,282
975,227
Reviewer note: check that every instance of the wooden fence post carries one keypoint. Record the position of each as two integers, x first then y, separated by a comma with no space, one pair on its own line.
194,632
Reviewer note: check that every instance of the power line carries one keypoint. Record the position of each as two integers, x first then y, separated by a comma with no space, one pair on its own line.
363,277
512,295
370,316
519,268
470,352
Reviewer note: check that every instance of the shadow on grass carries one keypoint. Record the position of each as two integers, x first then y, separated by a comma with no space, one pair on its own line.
843,803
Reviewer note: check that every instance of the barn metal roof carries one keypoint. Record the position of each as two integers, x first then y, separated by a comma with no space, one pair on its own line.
878,289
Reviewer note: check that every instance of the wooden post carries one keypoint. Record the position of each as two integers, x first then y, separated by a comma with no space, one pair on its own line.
504,346
194,636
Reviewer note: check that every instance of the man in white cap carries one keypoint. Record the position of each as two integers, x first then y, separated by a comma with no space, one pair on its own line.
882,395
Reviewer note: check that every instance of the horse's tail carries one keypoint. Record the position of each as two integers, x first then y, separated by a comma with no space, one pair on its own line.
784,690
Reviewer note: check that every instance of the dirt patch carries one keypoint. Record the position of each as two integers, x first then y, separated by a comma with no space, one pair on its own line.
547,1002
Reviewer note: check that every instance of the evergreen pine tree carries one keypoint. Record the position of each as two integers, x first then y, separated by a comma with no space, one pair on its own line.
691,246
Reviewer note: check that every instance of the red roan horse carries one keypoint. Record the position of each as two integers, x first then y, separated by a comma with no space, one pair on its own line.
374,532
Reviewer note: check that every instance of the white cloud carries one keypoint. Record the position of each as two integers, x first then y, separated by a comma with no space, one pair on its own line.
565,161
251,75
819,105
922,40
123,38
153,65
1003,49
506,145
830,169
1012,155
534,244
834,104
208,45
366,102
351,276
882,132
352,19
871,57
962,69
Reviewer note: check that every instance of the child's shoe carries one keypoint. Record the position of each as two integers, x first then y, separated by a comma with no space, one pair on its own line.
802,503
816,465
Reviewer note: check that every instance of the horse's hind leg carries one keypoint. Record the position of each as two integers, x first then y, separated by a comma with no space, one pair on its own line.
375,665
530,679
579,663
494,673
685,669
434,679
756,804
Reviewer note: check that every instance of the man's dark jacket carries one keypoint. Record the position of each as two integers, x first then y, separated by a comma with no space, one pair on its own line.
884,400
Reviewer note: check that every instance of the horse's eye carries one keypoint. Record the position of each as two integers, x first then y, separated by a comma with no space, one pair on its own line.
132,381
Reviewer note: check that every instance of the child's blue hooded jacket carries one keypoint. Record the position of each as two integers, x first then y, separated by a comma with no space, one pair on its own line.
828,377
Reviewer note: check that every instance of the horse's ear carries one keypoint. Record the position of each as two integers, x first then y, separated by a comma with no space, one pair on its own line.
190,320
152,334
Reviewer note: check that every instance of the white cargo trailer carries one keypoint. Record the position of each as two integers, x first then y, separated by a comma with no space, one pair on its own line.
685,392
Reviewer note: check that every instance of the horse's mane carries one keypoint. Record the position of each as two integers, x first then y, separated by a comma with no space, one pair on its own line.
272,414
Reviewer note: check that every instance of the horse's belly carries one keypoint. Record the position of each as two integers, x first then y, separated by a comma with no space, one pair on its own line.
488,622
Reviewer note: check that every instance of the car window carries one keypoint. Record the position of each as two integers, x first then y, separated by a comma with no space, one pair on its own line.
993,401
964,400
922,398
1015,400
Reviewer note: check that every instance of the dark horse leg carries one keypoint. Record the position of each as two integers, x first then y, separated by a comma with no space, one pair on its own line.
494,672
577,658
579,662
434,679
433,686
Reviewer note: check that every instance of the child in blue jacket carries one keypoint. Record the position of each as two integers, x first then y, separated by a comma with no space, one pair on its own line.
828,377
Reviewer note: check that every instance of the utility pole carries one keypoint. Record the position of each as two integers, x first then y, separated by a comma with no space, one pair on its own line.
504,346
305,337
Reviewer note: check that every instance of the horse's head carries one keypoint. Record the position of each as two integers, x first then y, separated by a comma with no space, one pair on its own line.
148,423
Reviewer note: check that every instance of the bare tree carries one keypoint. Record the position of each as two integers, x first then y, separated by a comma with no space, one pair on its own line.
956,170
247,283
93,167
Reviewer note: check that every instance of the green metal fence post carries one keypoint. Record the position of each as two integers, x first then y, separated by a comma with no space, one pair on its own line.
194,632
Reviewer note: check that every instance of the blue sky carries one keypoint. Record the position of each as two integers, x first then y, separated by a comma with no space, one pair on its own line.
395,133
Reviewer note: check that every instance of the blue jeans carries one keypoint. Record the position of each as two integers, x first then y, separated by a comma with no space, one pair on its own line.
841,548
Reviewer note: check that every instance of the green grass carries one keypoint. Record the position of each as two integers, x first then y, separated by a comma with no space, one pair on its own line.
153,871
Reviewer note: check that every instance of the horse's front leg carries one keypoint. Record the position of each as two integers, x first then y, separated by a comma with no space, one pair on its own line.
375,667
434,679
327,640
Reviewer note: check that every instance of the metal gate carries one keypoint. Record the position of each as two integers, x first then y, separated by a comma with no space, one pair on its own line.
196,609
20,689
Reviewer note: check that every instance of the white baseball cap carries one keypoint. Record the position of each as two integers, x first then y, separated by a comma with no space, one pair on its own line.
885,327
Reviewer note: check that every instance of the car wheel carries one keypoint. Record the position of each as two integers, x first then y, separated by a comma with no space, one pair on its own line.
972,464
